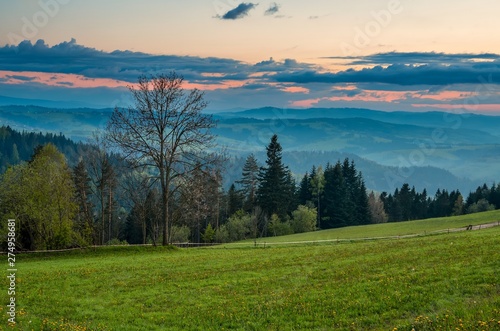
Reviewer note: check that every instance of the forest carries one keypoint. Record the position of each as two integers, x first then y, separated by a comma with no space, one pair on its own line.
101,200
155,176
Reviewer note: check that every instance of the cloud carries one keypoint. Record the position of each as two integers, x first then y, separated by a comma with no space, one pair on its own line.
239,12
401,74
422,58
393,81
273,9
119,65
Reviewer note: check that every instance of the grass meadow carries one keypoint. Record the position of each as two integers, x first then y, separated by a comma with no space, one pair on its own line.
449,281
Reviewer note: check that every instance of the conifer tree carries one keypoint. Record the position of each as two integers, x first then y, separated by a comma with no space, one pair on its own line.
249,182
335,201
274,185
304,191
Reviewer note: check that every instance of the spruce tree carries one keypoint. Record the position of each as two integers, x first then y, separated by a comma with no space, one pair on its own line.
335,200
274,186
249,182
304,191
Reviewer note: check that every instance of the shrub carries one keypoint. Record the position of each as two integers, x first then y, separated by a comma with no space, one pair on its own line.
221,234
480,206
209,234
180,234
116,241
304,219
278,228
239,226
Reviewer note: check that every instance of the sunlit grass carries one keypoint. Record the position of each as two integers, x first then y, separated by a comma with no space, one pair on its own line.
442,282
420,227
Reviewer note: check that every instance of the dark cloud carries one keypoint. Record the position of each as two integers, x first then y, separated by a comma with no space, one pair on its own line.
239,12
420,58
71,58
402,74
273,9
263,82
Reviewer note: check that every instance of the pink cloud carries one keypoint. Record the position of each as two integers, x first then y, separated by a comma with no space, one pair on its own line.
445,95
80,81
58,79
387,96
305,103
223,85
295,89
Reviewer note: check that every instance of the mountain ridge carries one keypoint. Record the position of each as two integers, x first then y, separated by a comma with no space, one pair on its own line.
389,139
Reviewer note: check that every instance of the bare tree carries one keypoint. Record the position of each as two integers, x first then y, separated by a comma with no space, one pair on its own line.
103,182
164,130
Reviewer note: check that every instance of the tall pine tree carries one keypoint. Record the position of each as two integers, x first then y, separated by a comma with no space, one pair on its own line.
335,200
249,182
274,182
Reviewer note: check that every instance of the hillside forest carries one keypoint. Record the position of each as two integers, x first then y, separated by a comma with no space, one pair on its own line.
89,196
156,176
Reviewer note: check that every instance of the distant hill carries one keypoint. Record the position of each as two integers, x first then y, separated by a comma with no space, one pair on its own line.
442,150
16,147
489,124
7,101
77,123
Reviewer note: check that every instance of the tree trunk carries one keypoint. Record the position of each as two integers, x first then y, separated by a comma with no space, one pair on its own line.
165,215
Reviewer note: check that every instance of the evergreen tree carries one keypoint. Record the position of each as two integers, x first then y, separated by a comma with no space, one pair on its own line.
336,211
304,191
363,215
249,182
274,182
405,202
494,197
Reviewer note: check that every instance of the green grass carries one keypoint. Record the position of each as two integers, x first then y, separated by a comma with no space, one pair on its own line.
420,227
441,282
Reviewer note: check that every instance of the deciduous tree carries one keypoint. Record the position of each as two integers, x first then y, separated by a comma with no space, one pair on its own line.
165,130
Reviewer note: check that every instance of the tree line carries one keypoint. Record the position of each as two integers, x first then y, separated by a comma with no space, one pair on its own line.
406,204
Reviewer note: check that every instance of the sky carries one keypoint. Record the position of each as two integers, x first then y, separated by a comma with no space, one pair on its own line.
379,54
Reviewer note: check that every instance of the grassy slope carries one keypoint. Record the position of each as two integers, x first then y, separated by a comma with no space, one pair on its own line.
438,282
419,227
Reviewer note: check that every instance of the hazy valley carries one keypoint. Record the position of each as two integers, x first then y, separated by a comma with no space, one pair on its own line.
428,150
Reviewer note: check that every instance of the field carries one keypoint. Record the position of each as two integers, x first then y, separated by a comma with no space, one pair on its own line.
448,281
414,228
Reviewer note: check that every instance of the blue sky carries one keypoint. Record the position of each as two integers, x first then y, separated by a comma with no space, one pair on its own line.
388,55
